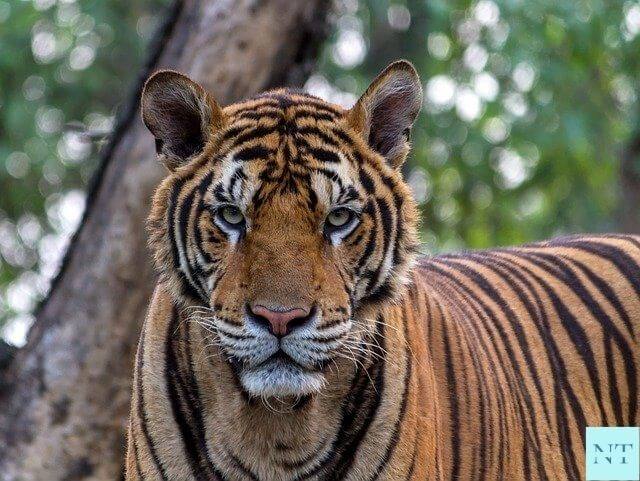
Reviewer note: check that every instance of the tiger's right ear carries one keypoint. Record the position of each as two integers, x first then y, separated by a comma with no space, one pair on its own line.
180,114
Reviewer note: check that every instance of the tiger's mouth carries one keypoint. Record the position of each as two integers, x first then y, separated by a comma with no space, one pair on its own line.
280,376
295,364
282,356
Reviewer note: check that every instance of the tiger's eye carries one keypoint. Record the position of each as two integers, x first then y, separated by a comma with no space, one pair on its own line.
339,217
231,215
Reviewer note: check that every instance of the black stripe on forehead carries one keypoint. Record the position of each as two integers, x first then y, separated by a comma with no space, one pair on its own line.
220,193
237,176
314,114
272,114
330,175
323,155
366,181
251,134
224,191
257,152
314,131
348,195
235,130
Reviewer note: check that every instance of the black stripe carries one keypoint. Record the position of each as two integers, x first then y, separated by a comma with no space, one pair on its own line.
468,310
608,293
386,220
363,409
142,411
241,467
412,466
343,136
366,181
486,286
238,175
185,402
308,459
263,114
487,316
370,246
318,105
395,436
187,288
358,412
512,272
561,378
614,394
609,330
248,136
625,263
330,175
314,114
456,456
257,152
324,155
572,326
323,136
185,211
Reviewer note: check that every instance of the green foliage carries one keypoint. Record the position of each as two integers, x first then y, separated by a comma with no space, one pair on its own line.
527,107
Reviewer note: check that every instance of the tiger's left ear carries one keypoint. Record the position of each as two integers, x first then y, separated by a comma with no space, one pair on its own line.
180,114
386,111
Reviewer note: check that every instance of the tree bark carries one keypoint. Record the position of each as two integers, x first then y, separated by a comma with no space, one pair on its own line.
630,185
64,397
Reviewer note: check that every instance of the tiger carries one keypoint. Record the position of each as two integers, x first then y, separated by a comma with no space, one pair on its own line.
296,332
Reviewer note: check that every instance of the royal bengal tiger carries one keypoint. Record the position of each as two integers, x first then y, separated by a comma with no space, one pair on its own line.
295,333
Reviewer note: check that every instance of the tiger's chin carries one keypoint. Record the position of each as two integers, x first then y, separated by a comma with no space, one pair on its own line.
280,378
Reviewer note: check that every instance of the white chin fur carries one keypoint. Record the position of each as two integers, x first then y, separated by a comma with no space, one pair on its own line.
279,378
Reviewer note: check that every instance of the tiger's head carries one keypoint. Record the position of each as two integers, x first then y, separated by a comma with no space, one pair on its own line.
285,219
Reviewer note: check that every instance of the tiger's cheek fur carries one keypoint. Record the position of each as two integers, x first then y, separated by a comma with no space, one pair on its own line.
182,235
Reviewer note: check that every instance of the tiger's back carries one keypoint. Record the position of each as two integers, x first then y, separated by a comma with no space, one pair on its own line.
532,344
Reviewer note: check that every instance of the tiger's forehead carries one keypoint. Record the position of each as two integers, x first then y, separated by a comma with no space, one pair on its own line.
286,128
285,142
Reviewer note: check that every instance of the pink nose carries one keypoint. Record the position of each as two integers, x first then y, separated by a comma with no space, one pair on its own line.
281,322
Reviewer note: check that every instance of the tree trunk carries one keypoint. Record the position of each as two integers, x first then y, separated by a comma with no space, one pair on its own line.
64,397
630,184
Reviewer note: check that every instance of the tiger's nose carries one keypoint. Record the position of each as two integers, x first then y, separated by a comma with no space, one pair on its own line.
280,321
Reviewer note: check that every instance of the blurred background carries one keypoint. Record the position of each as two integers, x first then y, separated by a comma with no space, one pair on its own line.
529,128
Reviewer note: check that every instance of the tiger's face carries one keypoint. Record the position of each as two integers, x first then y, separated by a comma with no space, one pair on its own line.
284,218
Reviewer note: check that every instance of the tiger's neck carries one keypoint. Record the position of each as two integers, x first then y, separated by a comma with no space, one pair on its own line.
375,417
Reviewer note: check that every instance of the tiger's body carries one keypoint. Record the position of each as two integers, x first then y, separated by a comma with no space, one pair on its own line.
479,366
